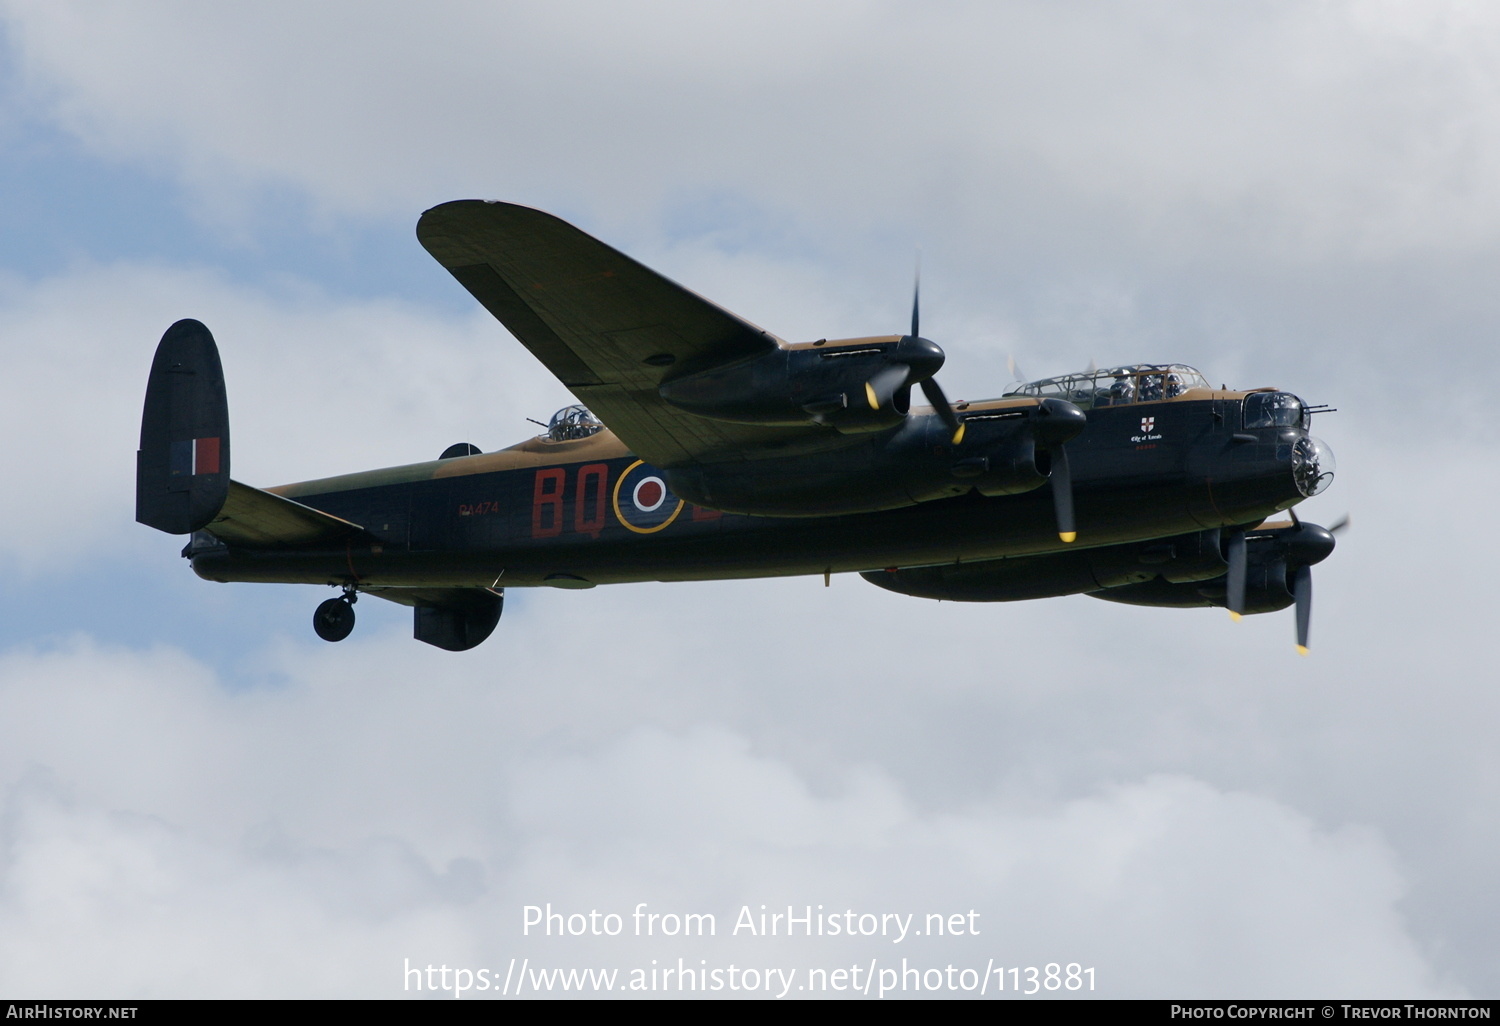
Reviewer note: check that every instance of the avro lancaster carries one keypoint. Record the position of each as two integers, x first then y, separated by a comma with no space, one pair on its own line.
703,447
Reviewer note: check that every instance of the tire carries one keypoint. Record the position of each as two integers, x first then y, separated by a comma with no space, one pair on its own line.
333,620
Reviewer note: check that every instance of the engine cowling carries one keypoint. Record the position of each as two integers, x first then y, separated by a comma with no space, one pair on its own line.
915,464
1185,558
1273,555
824,383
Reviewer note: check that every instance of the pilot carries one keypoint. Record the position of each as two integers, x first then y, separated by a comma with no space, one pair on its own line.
1122,391
1174,386
1151,386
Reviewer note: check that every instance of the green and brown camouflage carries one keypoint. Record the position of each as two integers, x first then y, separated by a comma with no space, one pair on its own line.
720,452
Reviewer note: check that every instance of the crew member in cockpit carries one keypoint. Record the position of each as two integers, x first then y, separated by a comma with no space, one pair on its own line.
572,422
1122,391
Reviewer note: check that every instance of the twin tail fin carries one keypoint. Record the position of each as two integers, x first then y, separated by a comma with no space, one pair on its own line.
182,466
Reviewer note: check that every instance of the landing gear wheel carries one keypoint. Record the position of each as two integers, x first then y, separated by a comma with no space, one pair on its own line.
334,619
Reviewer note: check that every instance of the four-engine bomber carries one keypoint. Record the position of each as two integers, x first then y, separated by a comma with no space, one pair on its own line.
703,447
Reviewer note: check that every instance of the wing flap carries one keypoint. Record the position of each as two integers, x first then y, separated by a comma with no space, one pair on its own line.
261,519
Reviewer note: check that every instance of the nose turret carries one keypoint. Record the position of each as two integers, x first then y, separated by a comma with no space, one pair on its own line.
1312,465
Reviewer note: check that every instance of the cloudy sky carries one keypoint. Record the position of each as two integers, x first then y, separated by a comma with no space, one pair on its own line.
198,797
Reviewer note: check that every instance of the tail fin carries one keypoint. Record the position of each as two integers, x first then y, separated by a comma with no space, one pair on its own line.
182,467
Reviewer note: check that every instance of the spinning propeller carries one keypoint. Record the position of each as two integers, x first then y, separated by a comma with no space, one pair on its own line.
1299,547
916,360
1053,422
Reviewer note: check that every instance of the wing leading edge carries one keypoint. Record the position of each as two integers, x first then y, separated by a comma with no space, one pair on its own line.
608,327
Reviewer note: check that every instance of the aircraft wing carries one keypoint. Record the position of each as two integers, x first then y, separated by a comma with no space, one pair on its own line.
260,519
608,327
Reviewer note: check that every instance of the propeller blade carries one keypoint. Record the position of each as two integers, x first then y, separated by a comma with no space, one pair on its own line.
1062,494
934,393
1015,368
916,296
1339,524
880,388
1235,592
1302,593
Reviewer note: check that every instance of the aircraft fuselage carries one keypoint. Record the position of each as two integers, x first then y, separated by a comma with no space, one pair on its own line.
583,512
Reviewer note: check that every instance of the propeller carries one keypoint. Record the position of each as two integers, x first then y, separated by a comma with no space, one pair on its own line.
1307,544
1062,495
1298,547
885,384
934,394
1053,423
1235,592
914,361
1302,593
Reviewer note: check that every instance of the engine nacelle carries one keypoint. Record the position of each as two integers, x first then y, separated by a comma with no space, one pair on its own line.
916,463
1272,555
1106,570
821,383
1265,591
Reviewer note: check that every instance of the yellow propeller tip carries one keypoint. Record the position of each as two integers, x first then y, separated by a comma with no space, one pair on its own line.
870,397
958,436
1302,650
1067,536
1234,616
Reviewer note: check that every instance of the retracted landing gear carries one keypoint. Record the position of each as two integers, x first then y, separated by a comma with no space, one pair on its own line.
334,620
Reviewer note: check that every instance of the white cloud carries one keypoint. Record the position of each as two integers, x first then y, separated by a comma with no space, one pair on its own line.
1295,131
316,387
292,860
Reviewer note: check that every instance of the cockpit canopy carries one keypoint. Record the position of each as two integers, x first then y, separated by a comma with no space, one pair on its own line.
1117,386
572,422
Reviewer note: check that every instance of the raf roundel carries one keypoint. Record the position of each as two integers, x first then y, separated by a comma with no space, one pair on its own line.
649,494
642,501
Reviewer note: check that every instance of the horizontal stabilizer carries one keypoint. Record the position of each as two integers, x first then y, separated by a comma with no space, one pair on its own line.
261,519
182,467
